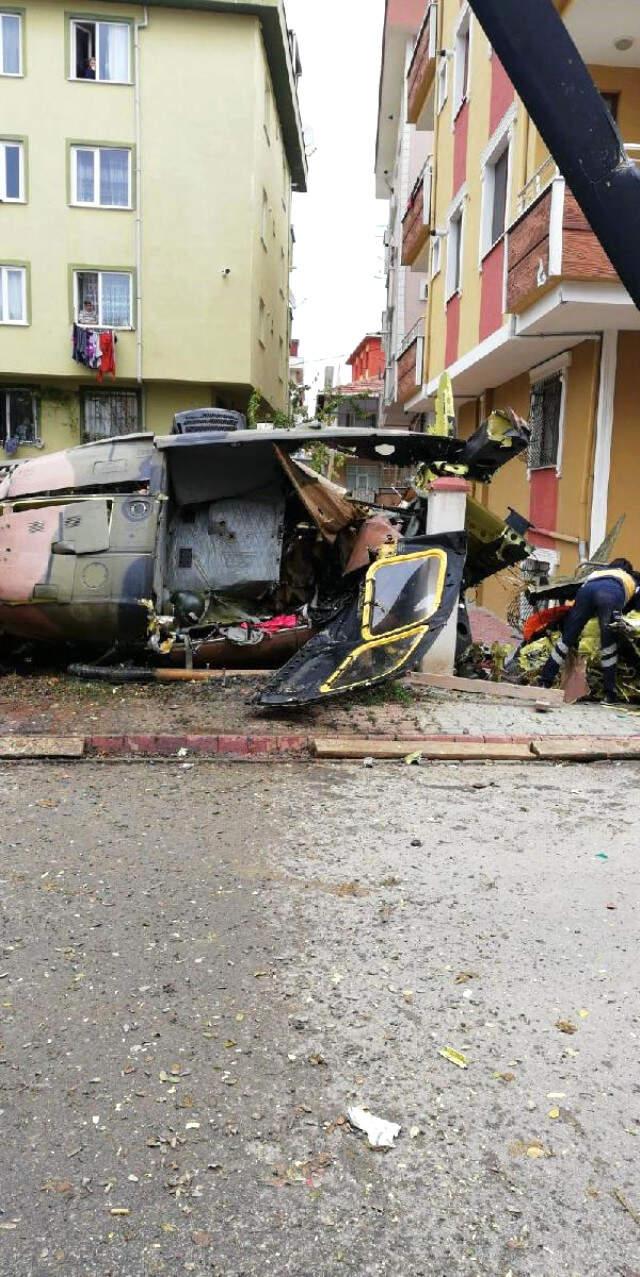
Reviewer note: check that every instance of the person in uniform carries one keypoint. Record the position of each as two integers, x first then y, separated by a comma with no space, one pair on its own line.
604,594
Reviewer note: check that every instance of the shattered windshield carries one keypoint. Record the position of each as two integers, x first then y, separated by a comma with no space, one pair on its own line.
403,592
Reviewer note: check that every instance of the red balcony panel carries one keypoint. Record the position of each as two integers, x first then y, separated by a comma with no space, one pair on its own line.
422,68
528,252
583,257
409,374
414,232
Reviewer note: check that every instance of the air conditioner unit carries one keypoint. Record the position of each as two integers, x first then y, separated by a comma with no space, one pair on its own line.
424,290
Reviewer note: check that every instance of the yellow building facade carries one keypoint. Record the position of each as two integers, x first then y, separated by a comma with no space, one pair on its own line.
147,160
524,309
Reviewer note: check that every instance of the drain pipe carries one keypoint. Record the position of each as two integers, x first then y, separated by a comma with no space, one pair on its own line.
139,26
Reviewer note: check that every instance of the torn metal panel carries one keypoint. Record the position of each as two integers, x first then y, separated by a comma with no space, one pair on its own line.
325,502
494,543
404,603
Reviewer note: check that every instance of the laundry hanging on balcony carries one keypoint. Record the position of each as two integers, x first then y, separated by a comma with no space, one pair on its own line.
96,350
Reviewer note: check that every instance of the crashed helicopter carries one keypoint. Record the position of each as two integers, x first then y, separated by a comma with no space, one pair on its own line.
220,546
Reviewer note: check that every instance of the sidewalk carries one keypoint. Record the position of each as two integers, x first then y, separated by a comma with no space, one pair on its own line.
219,718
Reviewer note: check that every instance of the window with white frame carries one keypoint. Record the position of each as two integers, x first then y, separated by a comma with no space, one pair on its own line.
10,44
11,172
442,89
13,294
100,51
101,176
454,252
18,415
547,398
462,62
106,413
496,188
103,298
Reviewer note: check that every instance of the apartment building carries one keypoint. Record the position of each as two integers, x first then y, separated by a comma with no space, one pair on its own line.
524,308
147,159
401,169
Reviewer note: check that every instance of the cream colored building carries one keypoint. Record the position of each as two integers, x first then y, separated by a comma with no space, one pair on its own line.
147,159
523,307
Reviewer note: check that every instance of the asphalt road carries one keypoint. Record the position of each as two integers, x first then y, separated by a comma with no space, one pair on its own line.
204,966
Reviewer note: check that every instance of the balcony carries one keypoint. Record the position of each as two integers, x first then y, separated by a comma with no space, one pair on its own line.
415,223
551,244
421,73
410,363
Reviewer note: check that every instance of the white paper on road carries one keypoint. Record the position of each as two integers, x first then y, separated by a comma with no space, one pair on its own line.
380,1134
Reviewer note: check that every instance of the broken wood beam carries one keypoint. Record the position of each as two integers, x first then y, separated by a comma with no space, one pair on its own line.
485,687
41,746
586,749
430,750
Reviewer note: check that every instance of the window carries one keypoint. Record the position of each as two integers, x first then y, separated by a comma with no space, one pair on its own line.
106,413
443,83
454,255
462,62
546,416
101,176
11,172
13,295
496,184
611,100
10,44
499,204
262,323
100,51
103,298
264,225
18,415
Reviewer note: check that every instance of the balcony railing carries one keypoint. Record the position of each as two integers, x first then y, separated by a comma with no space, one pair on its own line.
548,170
415,223
421,73
552,240
410,363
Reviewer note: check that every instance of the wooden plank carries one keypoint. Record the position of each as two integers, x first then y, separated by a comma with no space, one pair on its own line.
41,746
447,751
480,687
585,749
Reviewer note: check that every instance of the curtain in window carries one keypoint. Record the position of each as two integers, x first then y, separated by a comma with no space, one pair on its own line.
115,300
85,182
14,291
114,178
113,51
10,44
87,297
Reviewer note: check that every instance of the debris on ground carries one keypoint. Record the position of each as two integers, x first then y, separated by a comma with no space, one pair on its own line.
380,1133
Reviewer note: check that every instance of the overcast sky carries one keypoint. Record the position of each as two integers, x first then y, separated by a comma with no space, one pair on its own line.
337,284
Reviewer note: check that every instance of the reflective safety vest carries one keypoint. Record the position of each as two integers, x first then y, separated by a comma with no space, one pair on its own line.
616,574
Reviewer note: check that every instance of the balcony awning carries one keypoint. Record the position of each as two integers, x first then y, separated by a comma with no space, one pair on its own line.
501,357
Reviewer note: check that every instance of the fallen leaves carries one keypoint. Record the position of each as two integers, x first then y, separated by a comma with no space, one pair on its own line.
454,1057
505,1077
565,1026
57,1186
533,1149
463,977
